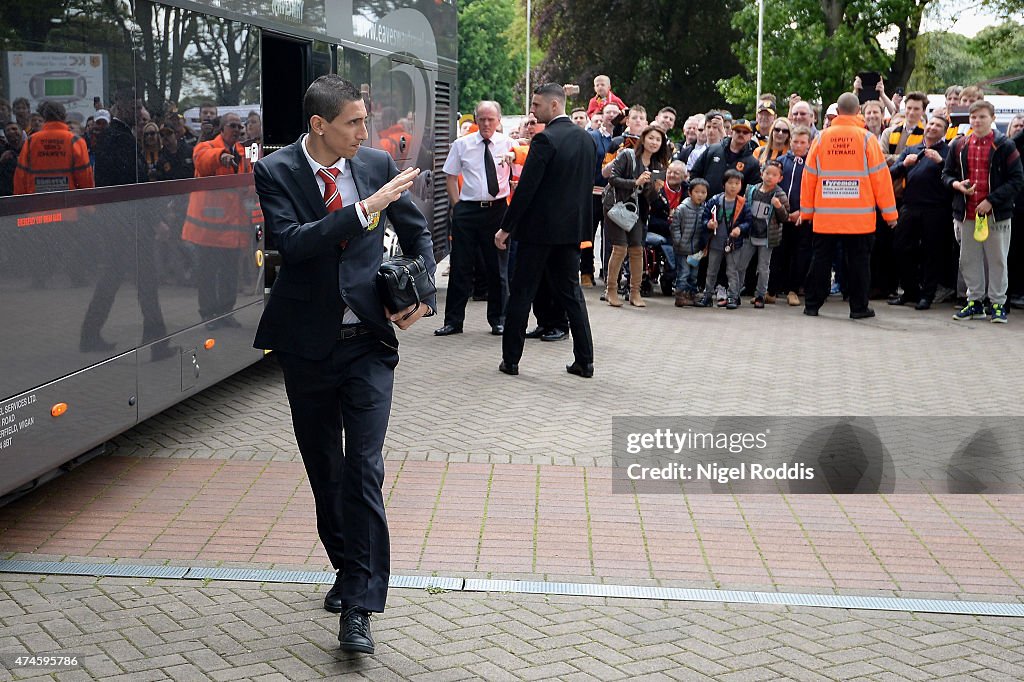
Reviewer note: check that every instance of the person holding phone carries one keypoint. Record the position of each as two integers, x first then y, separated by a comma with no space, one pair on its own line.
632,174
219,223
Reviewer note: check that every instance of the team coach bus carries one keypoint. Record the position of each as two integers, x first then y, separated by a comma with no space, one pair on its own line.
120,299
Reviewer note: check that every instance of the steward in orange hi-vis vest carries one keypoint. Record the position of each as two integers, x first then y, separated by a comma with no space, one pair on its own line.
53,160
219,218
845,180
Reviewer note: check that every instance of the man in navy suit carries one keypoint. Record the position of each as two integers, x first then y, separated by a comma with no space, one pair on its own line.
323,198
549,216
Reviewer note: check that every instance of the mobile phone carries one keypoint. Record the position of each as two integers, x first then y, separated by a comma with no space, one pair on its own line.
868,82
657,175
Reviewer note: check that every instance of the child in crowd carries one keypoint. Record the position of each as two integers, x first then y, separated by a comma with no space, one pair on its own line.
689,237
727,217
769,208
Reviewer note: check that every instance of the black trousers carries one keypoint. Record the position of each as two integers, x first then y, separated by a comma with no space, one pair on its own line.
124,243
790,260
473,228
587,254
921,244
1015,259
559,265
856,266
217,280
548,309
884,272
348,392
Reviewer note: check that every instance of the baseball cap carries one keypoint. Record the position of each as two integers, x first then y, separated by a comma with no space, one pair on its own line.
766,107
101,115
742,124
833,110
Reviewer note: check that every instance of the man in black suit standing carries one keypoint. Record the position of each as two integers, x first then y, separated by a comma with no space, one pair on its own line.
322,198
549,216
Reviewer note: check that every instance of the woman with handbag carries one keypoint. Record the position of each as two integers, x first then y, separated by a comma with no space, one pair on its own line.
633,181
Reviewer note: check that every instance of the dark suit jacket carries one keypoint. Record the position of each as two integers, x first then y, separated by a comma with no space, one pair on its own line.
304,310
553,203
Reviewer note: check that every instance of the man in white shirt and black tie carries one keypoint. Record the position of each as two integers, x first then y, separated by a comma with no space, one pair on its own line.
325,198
478,209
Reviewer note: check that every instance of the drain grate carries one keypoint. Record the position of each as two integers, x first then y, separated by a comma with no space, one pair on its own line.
417,582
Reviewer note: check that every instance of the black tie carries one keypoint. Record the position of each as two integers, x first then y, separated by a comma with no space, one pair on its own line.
490,170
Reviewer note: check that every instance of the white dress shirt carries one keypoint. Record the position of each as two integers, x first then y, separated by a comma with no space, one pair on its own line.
466,157
349,196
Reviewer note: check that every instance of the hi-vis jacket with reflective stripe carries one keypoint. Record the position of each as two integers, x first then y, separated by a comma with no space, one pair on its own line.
845,179
52,160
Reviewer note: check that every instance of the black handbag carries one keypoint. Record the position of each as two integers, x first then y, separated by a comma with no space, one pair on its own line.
403,282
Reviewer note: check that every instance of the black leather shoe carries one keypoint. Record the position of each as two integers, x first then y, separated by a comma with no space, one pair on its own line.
355,631
555,335
811,312
581,370
862,314
896,300
923,304
332,601
448,330
497,329
508,368
536,333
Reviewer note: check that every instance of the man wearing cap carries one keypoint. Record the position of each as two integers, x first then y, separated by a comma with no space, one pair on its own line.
765,121
732,152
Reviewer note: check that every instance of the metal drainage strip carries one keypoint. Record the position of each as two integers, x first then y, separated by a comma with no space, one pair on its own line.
106,570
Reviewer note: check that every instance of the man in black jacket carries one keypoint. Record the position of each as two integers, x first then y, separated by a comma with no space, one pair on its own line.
549,216
923,240
117,156
732,152
325,198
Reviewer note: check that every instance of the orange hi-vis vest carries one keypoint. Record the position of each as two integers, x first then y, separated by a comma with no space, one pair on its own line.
219,218
845,180
52,160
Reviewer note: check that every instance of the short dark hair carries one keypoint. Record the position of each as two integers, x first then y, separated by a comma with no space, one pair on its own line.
731,174
327,96
774,163
698,182
551,91
917,96
945,123
669,110
579,109
51,111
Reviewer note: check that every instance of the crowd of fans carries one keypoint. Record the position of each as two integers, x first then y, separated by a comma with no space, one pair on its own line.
683,183
161,147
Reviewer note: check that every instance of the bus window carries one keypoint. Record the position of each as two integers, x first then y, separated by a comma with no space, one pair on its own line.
140,110
323,59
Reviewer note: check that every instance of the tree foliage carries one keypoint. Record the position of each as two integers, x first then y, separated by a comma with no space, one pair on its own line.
948,58
491,59
816,47
656,52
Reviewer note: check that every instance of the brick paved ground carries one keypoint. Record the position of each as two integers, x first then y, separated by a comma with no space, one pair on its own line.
478,487
180,630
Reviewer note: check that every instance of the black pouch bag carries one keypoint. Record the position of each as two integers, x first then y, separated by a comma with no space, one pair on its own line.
403,282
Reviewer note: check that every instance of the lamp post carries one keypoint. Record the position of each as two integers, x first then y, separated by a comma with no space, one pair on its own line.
760,46
529,14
